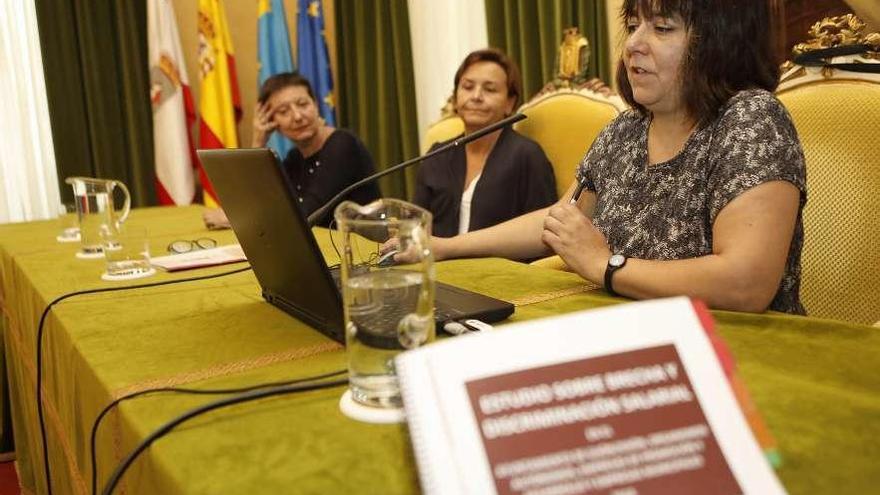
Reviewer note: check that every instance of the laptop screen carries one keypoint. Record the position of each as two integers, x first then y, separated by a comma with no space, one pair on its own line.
274,235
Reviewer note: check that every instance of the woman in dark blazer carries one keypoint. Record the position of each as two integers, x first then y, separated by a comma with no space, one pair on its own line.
497,177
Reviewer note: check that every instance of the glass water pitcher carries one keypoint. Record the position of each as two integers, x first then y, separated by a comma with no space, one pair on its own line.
389,307
96,210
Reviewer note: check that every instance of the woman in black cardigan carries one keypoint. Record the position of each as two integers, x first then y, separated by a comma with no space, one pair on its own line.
497,177
325,160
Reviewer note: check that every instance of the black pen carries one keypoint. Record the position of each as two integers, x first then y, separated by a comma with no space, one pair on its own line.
577,192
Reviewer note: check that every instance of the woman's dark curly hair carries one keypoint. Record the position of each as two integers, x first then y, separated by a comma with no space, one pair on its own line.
282,80
730,49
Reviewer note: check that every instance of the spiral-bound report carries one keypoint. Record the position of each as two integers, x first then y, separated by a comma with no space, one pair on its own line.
631,399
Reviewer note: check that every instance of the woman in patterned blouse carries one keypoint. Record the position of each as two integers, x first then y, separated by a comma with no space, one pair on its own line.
700,186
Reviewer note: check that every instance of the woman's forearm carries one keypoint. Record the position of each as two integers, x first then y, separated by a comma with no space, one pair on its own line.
711,278
518,238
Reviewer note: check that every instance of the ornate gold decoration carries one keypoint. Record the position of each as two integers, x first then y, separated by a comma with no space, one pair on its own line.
595,85
787,74
573,59
832,32
839,31
574,55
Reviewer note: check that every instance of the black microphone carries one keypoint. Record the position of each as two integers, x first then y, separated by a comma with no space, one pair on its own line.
465,139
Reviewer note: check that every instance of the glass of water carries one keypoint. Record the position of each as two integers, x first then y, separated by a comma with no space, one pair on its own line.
389,307
68,223
127,250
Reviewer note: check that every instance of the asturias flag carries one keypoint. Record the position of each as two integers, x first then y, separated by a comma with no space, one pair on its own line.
173,109
219,103
273,55
311,55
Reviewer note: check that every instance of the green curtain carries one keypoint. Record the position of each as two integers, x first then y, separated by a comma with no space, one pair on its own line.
95,62
376,96
530,31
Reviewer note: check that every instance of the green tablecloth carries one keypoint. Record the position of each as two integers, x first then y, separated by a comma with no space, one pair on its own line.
816,382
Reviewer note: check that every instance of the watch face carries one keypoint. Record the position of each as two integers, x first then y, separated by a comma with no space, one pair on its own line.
617,260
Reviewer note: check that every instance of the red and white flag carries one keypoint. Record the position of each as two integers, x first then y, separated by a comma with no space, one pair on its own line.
173,108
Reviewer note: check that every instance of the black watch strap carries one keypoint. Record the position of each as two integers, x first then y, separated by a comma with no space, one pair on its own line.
615,262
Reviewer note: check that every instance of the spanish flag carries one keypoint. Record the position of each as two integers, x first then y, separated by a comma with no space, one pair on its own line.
220,102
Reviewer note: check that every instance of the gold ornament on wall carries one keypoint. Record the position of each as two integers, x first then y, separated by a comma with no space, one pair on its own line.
842,30
574,55
572,64
835,43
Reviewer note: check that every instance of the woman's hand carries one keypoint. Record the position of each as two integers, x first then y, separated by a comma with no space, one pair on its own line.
264,124
392,244
577,241
216,219
437,248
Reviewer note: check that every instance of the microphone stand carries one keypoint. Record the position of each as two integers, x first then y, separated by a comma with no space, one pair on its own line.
317,214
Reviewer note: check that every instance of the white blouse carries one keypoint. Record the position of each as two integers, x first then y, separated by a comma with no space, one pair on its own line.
464,213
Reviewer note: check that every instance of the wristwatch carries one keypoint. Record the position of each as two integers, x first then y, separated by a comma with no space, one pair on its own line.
615,262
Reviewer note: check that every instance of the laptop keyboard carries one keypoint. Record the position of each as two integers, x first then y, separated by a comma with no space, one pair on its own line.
442,313
381,319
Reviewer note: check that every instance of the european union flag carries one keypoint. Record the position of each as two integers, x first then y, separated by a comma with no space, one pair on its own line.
273,55
311,54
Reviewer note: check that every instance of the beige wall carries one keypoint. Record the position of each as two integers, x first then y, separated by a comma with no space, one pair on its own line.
242,17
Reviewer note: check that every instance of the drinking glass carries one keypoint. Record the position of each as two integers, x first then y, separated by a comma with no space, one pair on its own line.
127,250
68,223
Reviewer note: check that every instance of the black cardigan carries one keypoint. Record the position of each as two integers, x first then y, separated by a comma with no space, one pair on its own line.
516,179
342,161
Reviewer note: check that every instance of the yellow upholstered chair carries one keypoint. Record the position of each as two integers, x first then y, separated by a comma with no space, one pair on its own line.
837,116
563,121
444,129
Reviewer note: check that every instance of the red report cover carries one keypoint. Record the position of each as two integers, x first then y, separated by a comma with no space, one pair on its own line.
631,399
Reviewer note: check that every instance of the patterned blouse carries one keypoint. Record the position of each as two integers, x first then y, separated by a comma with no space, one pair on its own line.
666,211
